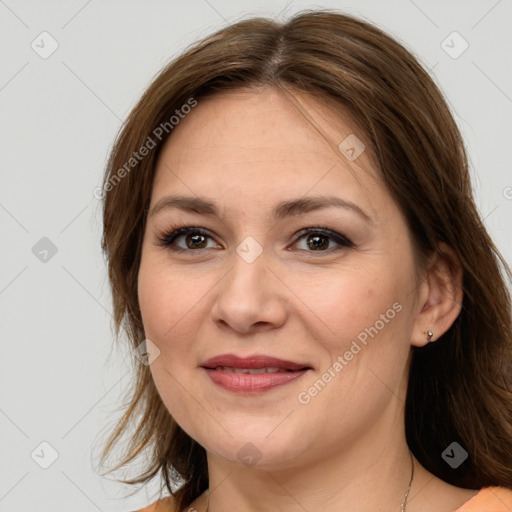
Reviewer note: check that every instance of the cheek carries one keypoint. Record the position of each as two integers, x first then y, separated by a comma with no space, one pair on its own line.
169,308
360,316
346,302
362,331
170,302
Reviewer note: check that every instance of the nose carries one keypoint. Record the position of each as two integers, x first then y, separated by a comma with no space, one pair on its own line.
250,298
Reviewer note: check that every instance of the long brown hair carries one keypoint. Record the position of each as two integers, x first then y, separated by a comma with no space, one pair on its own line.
459,387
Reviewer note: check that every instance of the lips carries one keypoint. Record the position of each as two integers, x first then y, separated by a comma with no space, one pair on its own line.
252,375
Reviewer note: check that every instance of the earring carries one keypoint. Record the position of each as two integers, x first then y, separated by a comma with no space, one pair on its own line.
429,336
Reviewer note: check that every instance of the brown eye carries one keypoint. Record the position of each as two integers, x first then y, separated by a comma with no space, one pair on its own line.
195,241
188,239
317,242
321,240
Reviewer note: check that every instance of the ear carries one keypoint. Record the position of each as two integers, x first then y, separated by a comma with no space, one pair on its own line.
440,297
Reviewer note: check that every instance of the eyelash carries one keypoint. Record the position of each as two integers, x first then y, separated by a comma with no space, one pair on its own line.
168,237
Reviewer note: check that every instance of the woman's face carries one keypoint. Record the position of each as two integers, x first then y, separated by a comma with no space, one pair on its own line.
288,256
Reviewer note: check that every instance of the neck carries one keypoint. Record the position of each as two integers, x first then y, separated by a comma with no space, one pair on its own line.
364,476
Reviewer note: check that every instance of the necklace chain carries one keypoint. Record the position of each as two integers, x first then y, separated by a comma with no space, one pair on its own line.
402,506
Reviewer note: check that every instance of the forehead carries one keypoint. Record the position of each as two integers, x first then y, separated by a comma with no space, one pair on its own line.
258,140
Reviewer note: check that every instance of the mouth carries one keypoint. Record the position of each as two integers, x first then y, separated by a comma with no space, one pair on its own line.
252,375
254,362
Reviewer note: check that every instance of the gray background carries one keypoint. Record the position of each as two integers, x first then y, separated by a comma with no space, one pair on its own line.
61,382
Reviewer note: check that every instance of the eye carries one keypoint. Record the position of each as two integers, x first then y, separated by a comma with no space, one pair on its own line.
312,239
187,238
320,239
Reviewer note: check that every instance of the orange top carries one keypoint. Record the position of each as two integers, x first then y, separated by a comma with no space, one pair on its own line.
164,505
488,499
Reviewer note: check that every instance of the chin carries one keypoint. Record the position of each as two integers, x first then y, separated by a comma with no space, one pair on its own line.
256,449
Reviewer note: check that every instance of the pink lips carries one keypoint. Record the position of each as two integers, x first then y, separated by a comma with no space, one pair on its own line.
252,375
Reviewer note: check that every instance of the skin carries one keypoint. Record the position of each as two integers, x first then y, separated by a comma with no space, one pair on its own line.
247,151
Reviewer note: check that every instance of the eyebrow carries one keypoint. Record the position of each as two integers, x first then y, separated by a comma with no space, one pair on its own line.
203,205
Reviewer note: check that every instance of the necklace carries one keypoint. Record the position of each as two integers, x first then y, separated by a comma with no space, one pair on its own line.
402,506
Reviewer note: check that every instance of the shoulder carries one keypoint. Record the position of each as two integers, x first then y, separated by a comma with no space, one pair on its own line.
167,504
489,499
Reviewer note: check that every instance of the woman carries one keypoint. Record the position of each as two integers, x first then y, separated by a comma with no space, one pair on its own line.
292,239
